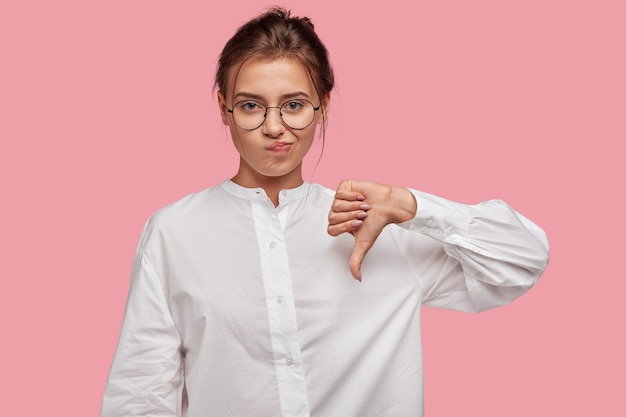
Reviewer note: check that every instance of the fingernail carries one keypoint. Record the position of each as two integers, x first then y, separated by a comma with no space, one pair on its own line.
356,223
361,215
361,198
365,207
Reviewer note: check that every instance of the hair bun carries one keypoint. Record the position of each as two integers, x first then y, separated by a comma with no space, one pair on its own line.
282,13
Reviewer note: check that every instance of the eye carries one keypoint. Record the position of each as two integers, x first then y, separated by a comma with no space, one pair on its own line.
250,106
293,106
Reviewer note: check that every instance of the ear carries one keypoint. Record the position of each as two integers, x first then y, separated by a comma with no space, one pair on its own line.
223,107
325,106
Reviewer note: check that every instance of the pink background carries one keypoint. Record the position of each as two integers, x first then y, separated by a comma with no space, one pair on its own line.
107,114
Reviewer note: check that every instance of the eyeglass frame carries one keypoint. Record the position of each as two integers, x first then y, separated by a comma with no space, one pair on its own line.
280,113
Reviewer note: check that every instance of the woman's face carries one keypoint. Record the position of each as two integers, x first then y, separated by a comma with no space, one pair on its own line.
274,151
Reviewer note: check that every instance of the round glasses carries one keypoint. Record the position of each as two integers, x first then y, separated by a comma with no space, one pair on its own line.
296,114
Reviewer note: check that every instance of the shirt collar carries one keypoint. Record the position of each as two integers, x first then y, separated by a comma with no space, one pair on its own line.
256,193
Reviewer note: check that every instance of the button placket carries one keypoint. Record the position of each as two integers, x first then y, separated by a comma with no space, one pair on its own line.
283,323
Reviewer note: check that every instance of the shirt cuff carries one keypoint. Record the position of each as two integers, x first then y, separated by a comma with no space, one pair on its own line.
439,218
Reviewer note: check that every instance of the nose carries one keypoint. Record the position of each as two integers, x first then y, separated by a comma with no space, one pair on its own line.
273,125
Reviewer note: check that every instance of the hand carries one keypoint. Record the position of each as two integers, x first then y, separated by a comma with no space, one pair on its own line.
364,208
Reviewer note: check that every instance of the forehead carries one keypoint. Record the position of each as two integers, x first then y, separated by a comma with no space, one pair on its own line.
272,78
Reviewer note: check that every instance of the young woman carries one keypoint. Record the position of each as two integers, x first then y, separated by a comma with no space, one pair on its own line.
242,301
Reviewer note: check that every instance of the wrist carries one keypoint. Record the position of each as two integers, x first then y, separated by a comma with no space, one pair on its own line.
402,205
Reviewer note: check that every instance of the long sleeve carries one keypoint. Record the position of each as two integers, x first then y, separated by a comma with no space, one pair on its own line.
492,253
146,377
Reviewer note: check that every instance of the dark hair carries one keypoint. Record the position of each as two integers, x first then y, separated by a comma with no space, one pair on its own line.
275,34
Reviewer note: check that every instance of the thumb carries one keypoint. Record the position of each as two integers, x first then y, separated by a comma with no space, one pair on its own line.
358,254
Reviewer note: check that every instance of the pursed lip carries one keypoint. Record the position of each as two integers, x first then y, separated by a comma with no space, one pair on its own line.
277,146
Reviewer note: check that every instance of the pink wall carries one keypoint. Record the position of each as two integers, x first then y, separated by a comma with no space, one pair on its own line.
107,114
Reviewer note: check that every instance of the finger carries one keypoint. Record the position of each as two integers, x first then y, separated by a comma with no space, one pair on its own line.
345,227
340,217
356,259
349,195
343,205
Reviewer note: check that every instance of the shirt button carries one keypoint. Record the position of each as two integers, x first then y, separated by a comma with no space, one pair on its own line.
272,245
283,192
449,231
289,361
429,223
279,299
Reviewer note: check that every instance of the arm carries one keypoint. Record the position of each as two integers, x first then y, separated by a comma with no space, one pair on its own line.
146,377
489,254
498,254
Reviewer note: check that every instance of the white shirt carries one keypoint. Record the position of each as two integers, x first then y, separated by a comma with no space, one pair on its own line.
238,308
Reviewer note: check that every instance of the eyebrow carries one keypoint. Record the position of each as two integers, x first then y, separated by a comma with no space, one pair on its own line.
243,94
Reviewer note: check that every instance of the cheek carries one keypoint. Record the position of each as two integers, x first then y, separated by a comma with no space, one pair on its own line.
238,141
310,133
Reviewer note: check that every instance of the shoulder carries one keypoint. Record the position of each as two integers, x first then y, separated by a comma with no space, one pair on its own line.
187,210
189,204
